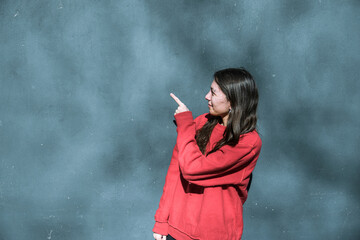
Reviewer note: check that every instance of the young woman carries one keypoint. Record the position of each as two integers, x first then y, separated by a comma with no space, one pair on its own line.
214,156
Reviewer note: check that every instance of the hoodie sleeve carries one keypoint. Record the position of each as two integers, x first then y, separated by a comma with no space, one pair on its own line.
228,165
162,214
172,176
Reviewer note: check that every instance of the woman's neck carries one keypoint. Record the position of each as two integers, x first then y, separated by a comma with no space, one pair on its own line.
225,120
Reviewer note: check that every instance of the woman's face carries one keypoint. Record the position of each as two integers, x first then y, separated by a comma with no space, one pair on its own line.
217,101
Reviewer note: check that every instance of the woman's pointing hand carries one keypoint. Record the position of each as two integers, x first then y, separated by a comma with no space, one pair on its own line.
182,107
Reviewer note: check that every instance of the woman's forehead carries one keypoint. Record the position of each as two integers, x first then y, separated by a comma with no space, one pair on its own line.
214,85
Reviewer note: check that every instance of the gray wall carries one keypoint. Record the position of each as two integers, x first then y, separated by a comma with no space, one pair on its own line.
86,130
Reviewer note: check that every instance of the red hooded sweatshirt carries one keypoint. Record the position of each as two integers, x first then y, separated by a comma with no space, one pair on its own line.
204,194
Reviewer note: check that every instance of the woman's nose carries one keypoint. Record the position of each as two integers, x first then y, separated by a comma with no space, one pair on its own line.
207,96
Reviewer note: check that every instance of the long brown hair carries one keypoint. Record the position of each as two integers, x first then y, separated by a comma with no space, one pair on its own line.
240,90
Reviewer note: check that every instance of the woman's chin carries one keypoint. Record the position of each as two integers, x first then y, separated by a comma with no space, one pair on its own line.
212,113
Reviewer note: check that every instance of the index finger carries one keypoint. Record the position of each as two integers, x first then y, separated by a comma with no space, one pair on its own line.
176,99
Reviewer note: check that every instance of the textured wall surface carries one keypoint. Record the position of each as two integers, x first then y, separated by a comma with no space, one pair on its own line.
86,130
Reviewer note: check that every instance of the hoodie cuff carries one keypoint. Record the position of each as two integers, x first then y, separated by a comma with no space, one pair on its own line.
184,118
161,228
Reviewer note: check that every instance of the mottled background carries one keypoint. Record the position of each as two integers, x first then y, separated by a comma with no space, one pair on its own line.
86,130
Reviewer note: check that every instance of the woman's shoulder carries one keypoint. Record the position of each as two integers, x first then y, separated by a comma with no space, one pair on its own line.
201,120
204,116
251,138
